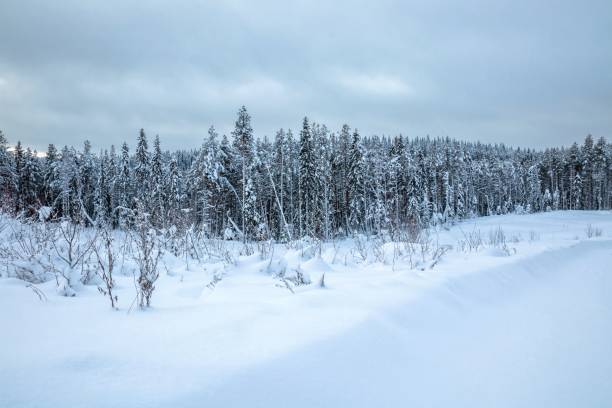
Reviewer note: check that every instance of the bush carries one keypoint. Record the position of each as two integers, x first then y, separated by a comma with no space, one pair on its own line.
593,232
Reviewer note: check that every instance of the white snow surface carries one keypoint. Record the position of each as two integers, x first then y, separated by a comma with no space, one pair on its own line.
529,325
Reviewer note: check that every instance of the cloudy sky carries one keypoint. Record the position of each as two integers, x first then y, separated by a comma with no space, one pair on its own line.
529,73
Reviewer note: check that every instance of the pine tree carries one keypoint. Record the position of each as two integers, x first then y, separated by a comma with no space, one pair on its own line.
103,206
251,216
307,181
280,177
588,159
535,194
7,175
449,211
19,177
174,193
157,199
341,181
600,166
397,168
244,147
142,171
112,176
124,185
68,184
30,182
323,169
243,137
356,184
50,174
577,188
87,181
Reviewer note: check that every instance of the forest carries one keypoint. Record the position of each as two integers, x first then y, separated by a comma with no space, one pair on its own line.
320,183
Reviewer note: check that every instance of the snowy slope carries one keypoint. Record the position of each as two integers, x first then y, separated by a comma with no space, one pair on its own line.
531,327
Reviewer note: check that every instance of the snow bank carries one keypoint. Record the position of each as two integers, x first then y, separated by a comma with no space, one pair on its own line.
524,322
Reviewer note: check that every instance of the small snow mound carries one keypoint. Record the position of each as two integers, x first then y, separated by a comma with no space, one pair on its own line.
277,267
293,258
316,264
497,252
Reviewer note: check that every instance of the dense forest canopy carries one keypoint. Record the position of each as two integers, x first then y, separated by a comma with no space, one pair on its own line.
316,183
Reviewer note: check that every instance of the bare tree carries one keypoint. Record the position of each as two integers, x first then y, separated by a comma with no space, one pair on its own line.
106,256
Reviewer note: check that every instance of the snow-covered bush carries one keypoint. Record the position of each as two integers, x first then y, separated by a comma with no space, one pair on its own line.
24,250
72,247
146,253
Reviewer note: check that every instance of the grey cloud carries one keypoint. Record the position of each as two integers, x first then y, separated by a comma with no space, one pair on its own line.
520,72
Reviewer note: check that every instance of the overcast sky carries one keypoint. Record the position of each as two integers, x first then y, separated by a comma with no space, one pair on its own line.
526,73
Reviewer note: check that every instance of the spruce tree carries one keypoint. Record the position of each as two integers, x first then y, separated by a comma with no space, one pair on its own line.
142,171
307,181
124,185
157,199
244,147
356,184
19,176
7,176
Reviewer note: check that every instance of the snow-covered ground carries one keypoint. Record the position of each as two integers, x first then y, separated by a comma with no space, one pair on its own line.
525,323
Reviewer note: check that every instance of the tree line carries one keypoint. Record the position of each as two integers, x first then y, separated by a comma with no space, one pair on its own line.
318,183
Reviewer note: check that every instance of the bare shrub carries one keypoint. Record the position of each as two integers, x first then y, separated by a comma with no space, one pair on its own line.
146,255
437,254
378,248
72,248
412,231
265,248
220,248
397,252
284,284
106,256
300,278
407,246
472,241
360,248
296,278
425,242
593,231
335,248
247,249
497,238
25,250
39,293
215,280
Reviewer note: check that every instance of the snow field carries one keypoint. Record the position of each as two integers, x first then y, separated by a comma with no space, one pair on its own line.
519,321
